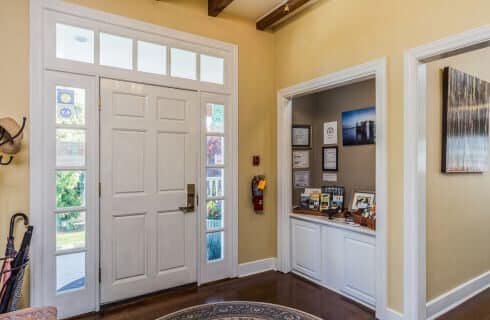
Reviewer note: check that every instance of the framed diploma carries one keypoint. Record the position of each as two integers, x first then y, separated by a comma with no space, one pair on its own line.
301,159
301,136
301,179
330,159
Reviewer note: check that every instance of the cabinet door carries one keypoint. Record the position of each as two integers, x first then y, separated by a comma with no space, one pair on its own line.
306,248
359,279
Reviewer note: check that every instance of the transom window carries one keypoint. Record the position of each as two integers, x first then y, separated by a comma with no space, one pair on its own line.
78,44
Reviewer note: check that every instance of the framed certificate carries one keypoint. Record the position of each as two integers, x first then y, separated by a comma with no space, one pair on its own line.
301,159
330,132
301,136
330,159
301,179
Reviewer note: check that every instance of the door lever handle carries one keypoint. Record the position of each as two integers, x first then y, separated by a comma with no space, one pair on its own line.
186,209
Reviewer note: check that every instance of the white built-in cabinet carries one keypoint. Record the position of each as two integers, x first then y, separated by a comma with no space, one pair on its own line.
336,256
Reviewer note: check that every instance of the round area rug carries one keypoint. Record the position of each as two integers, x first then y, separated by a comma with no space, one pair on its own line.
239,310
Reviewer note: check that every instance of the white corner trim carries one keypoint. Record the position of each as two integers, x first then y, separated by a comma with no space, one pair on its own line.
415,163
257,266
457,296
393,315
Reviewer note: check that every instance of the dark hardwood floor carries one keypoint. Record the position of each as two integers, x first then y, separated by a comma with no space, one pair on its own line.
273,287
477,308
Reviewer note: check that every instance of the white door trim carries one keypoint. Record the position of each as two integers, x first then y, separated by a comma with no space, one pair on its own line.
39,63
415,162
375,69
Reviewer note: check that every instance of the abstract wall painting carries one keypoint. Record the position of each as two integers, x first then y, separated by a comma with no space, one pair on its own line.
359,126
465,136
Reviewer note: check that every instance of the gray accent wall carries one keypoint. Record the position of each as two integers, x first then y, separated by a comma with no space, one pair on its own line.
357,164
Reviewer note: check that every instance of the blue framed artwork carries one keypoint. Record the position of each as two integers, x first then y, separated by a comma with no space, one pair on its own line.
359,127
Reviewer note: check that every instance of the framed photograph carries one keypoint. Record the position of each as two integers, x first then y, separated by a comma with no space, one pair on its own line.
330,158
330,132
301,159
301,179
465,114
359,127
363,200
301,136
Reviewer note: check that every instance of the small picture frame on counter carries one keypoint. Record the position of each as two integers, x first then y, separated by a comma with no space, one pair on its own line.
363,200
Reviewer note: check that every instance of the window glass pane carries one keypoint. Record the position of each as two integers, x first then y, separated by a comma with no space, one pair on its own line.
215,182
215,246
212,69
70,106
116,51
74,43
214,214
70,230
70,189
70,272
215,118
70,148
183,64
152,58
216,150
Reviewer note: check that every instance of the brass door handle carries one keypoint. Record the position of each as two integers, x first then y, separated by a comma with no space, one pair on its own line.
187,209
191,195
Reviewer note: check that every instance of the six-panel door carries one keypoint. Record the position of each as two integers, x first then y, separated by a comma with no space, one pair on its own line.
149,154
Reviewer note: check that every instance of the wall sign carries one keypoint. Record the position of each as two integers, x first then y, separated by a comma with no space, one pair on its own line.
330,132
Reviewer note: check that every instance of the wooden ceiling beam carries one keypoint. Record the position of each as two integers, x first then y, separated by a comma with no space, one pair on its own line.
280,13
216,6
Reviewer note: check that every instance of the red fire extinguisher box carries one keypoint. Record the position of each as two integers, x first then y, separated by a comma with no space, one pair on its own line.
258,187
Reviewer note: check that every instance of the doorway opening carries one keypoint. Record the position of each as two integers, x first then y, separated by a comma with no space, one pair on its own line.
304,240
444,79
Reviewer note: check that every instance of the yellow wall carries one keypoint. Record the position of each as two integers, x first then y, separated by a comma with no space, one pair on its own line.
458,221
336,34
14,93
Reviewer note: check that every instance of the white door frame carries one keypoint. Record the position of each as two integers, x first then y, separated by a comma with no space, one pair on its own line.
415,159
42,58
372,70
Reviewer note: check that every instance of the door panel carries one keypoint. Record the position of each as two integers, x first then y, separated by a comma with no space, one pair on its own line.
171,157
128,161
130,252
149,154
171,229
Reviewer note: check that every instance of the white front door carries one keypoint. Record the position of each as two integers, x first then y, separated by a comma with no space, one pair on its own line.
149,158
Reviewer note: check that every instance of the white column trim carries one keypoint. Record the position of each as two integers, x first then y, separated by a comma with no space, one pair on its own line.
375,69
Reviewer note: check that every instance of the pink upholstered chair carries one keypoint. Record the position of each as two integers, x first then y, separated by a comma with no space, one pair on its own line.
48,313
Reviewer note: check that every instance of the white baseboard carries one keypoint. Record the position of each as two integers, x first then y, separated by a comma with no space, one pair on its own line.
457,296
257,266
393,314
